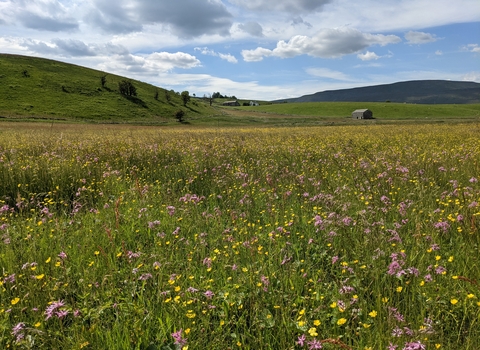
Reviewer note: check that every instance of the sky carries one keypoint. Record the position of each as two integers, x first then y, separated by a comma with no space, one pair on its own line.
252,49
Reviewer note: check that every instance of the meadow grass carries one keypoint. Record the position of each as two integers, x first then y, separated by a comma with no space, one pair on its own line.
352,237
381,110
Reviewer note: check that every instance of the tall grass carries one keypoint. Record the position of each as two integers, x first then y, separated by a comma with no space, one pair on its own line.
338,237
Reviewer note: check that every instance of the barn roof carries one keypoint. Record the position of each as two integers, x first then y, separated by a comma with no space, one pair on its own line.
360,110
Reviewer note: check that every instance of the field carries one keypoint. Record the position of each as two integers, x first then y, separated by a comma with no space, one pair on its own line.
381,111
340,237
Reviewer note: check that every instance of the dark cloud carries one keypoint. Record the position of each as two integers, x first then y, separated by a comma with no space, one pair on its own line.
114,17
185,18
74,48
40,22
420,37
291,6
299,20
252,28
43,15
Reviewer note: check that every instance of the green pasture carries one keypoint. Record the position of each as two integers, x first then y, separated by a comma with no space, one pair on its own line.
381,110
124,237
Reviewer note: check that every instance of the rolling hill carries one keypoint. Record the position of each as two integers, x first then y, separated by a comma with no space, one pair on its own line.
37,88
419,91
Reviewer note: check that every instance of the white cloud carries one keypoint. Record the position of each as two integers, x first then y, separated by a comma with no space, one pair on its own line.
368,56
256,55
398,15
439,53
420,37
227,57
327,43
327,73
43,15
472,48
472,76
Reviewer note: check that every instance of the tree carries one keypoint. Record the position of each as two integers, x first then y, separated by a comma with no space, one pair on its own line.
156,95
127,88
185,97
179,115
167,96
209,98
103,80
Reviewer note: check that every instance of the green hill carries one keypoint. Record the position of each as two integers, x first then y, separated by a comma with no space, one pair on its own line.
37,88
419,91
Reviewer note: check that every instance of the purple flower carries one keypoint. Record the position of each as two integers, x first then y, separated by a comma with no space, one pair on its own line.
208,262
396,315
171,210
17,331
131,254
179,340
416,345
62,313
152,224
301,340
209,294
314,344
62,255
413,271
49,312
145,277
9,279
394,268
347,221
442,225
435,247
392,347
397,332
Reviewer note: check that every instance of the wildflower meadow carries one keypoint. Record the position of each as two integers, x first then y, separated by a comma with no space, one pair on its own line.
341,237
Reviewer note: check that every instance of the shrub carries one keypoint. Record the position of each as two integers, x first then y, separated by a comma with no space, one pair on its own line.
127,88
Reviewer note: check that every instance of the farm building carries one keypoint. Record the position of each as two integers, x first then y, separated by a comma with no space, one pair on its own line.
231,103
362,114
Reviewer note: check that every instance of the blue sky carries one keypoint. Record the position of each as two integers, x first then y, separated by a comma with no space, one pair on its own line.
253,49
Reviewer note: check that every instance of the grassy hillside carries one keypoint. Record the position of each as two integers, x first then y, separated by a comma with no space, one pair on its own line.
418,91
380,110
40,88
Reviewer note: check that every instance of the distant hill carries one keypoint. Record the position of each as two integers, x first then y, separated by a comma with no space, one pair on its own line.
419,91
38,88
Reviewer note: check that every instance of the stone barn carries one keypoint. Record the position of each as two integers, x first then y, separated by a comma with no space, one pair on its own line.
231,103
362,114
